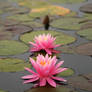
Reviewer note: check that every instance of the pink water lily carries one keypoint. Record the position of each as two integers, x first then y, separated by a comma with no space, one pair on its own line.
46,69
44,42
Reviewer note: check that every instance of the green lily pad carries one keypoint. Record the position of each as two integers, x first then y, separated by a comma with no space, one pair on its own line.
66,73
67,49
88,16
10,47
85,49
33,24
12,65
2,90
18,29
51,89
16,10
87,33
4,35
8,22
66,1
68,23
82,82
86,8
32,3
86,25
61,38
71,14
4,4
21,18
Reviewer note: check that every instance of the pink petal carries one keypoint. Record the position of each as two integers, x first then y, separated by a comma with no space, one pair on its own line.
29,76
31,71
42,82
48,51
59,64
55,51
59,79
31,80
59,70
51,82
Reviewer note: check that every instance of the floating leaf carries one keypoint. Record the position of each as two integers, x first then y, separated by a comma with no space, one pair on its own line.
12,65
68,23
82,82
61,38
2,90
51,9
18,29
85,49
4,35
21,18
66,1
86,8
66,73
87,33
10,47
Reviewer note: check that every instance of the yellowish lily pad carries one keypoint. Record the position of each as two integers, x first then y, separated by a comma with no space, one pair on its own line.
51,9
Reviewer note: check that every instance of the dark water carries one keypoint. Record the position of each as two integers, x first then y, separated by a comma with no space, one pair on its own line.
81,64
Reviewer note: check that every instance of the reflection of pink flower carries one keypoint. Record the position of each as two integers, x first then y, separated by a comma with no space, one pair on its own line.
44,42
46,69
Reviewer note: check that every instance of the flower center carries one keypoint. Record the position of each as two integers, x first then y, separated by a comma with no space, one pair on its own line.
42,63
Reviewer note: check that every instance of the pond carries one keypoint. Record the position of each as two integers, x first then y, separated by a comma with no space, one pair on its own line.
17,28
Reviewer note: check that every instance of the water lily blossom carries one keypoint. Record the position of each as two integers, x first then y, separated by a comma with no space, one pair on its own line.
46,69
44,42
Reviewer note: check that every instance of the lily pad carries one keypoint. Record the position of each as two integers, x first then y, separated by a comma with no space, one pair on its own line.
18,29
67,49
12,65
86,8
10,47
21,18
87,33
51,89
68,23
61,38
68,72
86,26
51,9
17,10
88,16
8,22
32,3
66,1
5,35
2,90
33,24
4,4
82,82
85,49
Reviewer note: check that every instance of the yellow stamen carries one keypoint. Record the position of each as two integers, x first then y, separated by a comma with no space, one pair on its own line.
42,63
